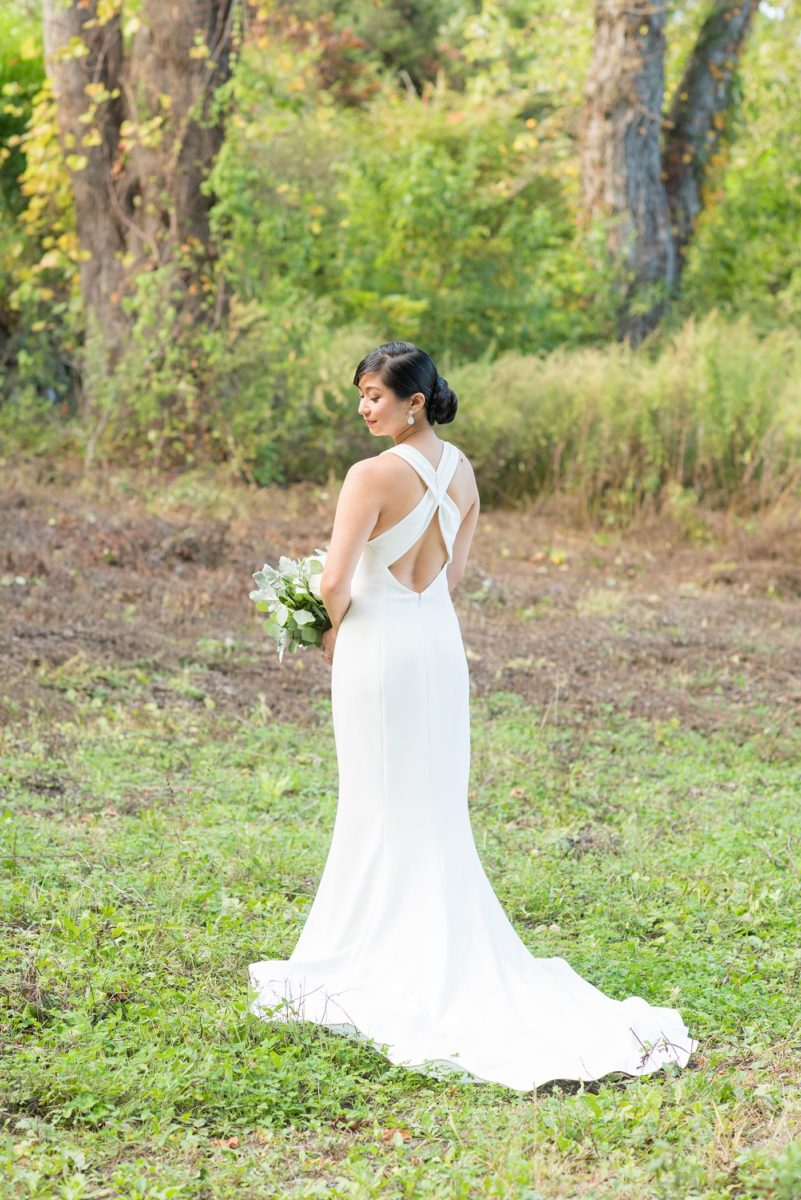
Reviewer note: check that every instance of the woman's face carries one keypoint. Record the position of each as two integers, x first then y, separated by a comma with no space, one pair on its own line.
384,414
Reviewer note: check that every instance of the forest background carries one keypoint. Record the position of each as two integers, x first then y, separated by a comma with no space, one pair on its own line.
454,173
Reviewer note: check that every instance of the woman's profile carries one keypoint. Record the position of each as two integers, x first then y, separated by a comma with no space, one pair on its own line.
406,945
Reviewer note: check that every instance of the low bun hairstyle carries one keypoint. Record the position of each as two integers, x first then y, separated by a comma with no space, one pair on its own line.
442,407
406,369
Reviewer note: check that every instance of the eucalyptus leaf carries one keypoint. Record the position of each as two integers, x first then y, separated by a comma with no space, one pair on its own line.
297,614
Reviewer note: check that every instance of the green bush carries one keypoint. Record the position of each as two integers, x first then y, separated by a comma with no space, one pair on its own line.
21,76
445,216
745,256
266,392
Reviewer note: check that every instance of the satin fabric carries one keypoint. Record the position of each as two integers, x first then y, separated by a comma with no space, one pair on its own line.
406,947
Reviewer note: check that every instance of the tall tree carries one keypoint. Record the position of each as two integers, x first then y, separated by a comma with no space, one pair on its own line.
643,170
134,104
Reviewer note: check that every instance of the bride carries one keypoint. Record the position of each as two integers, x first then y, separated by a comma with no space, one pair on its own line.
406,947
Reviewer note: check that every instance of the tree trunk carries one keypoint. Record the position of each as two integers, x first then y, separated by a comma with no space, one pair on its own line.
183,59
697,116
90,149
139,138
651,196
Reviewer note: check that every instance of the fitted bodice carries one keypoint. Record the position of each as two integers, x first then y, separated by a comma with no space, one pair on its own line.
380,552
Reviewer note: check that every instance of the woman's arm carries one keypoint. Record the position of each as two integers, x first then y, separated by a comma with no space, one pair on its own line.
356,513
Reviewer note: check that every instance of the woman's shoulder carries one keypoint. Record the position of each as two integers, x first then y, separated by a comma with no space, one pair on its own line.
462,456
464,464
385,460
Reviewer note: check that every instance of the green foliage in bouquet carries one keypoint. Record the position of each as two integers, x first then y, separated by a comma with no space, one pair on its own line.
291,595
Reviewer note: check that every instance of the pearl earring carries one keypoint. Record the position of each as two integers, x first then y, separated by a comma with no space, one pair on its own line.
410,420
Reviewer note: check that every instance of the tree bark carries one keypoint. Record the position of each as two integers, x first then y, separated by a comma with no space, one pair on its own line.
648,188
169,59
697,115
89,157
621,162
139,137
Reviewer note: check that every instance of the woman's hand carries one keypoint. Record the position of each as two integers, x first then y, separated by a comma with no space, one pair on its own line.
327,645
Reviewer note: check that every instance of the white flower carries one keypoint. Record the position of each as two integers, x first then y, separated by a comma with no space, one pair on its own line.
291,597
315,564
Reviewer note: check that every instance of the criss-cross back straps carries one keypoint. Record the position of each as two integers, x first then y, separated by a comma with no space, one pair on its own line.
400,537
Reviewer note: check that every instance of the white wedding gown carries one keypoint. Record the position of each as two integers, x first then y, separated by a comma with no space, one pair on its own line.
406,946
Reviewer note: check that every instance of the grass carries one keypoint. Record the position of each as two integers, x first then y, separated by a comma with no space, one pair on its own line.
151,852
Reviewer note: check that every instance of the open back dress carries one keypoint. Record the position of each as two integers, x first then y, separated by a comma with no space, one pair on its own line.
406,946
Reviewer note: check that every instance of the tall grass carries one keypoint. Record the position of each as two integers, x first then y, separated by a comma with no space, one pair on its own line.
709,413
717,410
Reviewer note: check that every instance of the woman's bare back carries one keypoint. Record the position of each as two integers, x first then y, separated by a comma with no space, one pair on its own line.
404,489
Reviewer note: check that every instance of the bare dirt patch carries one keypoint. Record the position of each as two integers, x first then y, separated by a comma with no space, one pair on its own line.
121,586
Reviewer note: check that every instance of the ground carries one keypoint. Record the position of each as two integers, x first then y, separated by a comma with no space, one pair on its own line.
696,620
168,792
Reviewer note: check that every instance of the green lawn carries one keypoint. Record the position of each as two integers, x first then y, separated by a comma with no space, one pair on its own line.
149,854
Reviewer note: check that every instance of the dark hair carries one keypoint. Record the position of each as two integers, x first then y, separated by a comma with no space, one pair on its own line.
406,369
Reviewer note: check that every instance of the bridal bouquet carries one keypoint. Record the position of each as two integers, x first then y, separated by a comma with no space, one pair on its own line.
291,595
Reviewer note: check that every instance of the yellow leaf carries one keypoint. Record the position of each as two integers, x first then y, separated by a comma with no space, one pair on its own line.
74,48
76,162
30,48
